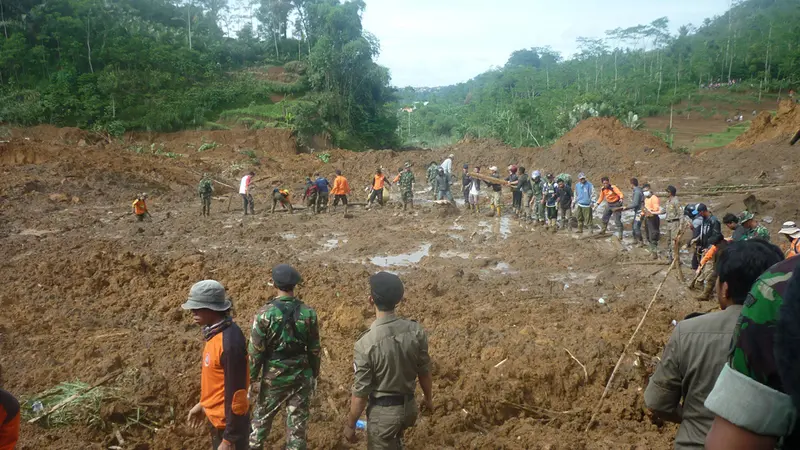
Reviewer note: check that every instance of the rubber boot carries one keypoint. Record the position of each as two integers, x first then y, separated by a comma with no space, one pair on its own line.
619,234
706,294
604,228
653,251
554,224
580,228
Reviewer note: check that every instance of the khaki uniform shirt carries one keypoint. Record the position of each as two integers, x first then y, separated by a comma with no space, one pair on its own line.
674,210
389,357
692,360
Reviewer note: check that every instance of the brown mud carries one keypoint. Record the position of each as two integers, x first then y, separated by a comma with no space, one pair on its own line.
87,290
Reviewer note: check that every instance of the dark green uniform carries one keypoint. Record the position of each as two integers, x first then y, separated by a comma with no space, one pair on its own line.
387,361
205,189
432,179
284,358
537,190
407,187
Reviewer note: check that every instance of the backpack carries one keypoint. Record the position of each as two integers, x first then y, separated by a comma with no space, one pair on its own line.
567,179
290,312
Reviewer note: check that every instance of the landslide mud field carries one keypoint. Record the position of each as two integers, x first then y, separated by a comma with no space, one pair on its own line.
88,291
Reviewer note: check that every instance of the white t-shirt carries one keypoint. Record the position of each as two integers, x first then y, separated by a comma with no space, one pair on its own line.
473,189
244,184
447,165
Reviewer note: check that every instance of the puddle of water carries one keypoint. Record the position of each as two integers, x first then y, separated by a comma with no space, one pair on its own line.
505,227
452,254
288,236
456,227
404,259
504,268
456,237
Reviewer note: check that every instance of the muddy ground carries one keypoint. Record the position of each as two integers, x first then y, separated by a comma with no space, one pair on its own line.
87,290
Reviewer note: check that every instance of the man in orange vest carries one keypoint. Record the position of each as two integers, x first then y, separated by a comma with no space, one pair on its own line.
340,191
378,182
613,196
140,207
652,223
792,233
281,196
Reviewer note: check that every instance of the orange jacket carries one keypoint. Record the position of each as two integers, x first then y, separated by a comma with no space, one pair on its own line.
340,186
709,255
378,182
139,207
653,204
9,421
794,248
612,195
224,381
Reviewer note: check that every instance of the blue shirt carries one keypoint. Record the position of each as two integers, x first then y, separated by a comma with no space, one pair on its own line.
322,185
583,193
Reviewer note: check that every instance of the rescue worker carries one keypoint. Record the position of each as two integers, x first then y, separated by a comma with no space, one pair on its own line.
281,196
550,202
752,228
584,191
564,200
705,274
637,202
526,191
310,194
388,361
613,197
652,222
206,189
673,219
466,182
223,380
323,190
340,191
516,194
792,233
447,165
443,186
475,192
9,420
378,182
432,178
407,186
140,207
537,198
731,222
284,356
496,198
709,230
247,196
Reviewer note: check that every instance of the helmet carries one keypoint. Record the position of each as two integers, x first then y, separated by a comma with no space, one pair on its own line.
407,165
493,168
466,166
537,174
512,168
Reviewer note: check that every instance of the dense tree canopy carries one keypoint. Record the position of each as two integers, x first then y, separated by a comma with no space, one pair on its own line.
168,64
643,69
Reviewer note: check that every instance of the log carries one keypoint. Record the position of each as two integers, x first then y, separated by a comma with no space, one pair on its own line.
488,179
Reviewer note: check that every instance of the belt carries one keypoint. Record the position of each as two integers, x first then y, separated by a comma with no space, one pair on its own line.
390,400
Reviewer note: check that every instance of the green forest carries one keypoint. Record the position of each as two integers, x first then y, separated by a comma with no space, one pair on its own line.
164,65
751,51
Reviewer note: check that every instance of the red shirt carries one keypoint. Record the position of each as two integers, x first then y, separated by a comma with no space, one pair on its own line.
9,421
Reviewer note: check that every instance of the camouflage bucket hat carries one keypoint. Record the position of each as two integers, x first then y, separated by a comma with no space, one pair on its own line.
746,215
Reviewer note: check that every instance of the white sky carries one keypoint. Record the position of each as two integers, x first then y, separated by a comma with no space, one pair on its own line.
443,42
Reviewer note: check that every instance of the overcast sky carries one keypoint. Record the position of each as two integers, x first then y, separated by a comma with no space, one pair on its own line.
442,42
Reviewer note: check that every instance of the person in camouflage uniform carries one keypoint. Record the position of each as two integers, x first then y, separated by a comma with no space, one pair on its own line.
205,189
537,198
407,186
432,179
753,230
284,353
751,376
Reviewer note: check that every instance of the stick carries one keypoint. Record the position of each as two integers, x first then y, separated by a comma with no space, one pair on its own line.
627,345
62,403
644,263
230,197
676,255
585,373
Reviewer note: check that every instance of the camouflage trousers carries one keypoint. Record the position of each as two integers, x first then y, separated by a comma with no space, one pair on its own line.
408,196
538,209
206,199
297,398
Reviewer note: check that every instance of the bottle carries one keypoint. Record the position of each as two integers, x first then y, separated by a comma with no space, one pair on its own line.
361,424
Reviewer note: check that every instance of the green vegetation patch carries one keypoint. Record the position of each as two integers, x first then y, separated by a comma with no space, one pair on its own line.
722,139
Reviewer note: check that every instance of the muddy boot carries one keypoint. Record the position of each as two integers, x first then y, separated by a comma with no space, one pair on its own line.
653,251
706,294
580,228
619,234
604,228
554,224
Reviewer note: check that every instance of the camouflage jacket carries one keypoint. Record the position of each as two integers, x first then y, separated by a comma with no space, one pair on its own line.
285,350
752,349
205,187
432,172
538,188
406,181
758,232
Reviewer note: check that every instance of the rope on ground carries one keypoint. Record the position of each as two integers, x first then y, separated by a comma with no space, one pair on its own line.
627,345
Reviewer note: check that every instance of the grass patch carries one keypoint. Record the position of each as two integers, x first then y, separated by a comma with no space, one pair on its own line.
83,410
722,139
214,126
272,111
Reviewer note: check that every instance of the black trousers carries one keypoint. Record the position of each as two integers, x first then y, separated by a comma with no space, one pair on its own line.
216,439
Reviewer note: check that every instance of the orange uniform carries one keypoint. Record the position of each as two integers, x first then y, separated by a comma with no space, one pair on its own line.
653,204
794,248
224,381
139,207
612,195
378,181
340,186
9,421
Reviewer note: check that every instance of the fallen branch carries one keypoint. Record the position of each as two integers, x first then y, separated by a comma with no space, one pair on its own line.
627,345
64,402
585,373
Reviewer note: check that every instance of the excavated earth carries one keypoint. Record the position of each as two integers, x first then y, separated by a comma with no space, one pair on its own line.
88,291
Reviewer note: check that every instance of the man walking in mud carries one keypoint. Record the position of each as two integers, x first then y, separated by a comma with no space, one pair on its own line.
340,191
281,196
206,189
323,190
388,361
637,202
443,186
536,203
407,186
432,168
564,200
613,197
378,182
284,356
244,191
673,220
583,199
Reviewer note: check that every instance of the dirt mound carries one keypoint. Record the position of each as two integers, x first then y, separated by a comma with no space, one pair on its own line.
768,128
610,132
